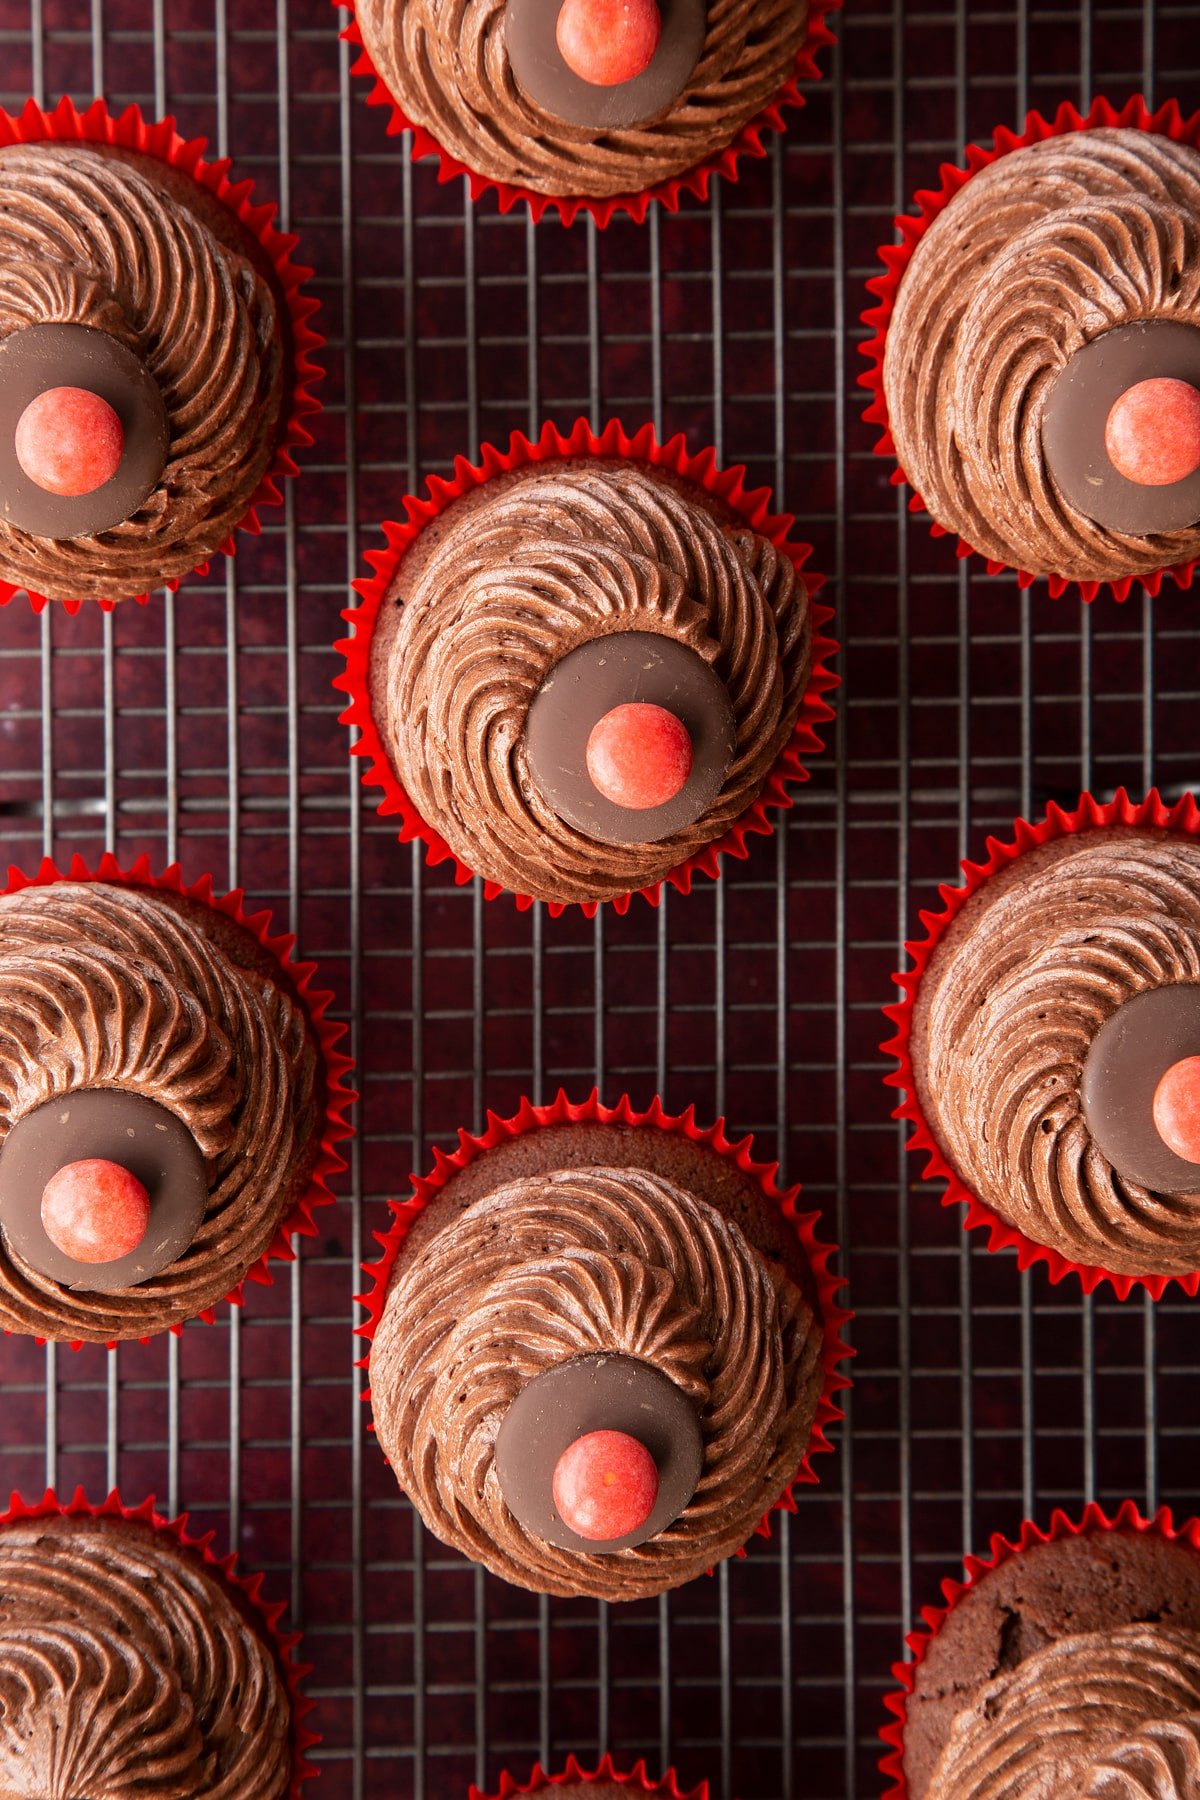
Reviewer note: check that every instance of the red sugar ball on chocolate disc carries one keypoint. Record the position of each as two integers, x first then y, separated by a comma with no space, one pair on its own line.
605,1485
69,441
1177,1108
95,1211
607,42
1153,431
639,755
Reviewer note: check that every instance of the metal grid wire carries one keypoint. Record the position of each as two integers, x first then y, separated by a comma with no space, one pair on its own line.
204,727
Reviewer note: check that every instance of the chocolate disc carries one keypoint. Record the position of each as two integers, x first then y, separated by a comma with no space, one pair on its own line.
145,1138
49,356
635,666
1130,1054
1077,409
597,1393
543,76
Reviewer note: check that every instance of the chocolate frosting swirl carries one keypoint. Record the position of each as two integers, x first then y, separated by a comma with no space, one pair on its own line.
568,1264
446,63
113,241
129,1672
1037,255
1100,1716
524,577
1007,1011
115,987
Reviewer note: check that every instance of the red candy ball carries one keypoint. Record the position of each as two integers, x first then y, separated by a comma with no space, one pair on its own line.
69,441
605,1485
1177,1109
95,1211
639,755
606,42
1153,432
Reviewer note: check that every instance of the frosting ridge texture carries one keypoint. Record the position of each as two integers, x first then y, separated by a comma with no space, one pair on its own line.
544,565
1036,255
575,1262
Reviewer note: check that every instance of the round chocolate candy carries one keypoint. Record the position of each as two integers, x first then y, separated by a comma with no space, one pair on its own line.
599,1393
42,357
1129,1056
1075,426
627,668
530,35
111,1125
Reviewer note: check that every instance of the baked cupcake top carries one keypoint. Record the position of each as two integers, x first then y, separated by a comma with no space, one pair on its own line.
546,1299
1049,1014
659,598
137,1020
1069,1672
489,82
122,278
998,408
128,1669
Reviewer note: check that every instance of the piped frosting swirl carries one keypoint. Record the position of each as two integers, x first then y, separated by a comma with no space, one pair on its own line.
128,1671
1038,254
550,562
1099,1716
114,987
447,64
108,240
1007,1011
573,1263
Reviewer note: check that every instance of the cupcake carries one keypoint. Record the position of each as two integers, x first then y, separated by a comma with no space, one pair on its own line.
587,666
1039,349
606,1782
601,105
133,1662
169,1098
153,350
602,1346
1066,1668
1049,1046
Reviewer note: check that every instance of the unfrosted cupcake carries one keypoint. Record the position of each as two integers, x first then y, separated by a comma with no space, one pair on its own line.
169,1097
602,1347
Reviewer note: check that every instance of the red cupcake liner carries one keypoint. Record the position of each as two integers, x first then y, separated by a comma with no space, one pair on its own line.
299,1222
1002,1550
224,1569
695,181
1183,817
635,1779
591,1111
1166,121
96,125
726,485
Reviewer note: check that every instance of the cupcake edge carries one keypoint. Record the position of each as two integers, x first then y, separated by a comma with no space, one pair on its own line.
159,139
1002,1550
1090,814
299,1221
562,1111
224,1569
695,181
636,1779
1165,121
613,443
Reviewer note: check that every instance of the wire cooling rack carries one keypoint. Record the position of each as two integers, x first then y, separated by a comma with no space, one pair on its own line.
204,727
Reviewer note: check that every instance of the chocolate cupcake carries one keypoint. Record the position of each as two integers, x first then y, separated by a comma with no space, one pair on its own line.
1040,348
600,1351
605,1782
583,102
131,1662
1069,1668
1052,1040
583,674
167,1095
148,353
